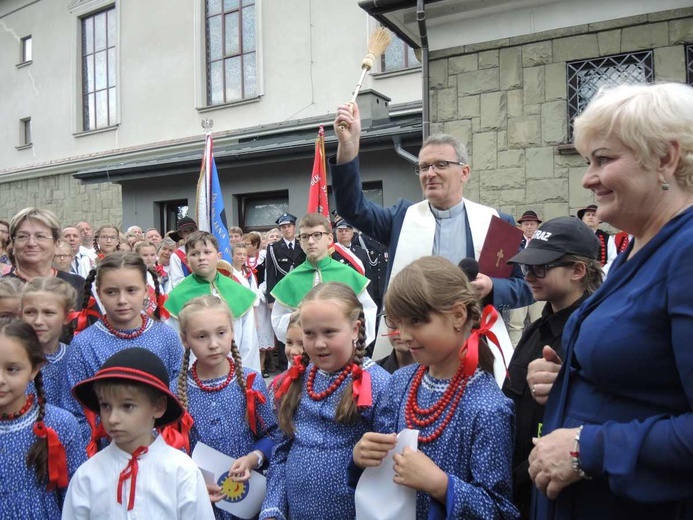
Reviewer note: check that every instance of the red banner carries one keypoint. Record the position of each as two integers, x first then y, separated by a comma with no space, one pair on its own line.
317,196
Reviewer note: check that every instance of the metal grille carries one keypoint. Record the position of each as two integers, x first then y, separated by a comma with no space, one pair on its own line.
689,64
586,77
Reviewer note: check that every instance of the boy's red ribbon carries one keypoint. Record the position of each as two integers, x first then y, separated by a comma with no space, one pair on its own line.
130,472
57,458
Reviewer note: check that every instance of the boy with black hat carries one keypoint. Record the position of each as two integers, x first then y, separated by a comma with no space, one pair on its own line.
561,267
138,475
607,246
179,267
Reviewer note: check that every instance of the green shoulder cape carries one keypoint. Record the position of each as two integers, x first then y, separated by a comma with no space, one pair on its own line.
239,299
294,286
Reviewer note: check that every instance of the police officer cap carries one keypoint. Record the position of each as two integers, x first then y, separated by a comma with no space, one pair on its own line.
285,218
341,224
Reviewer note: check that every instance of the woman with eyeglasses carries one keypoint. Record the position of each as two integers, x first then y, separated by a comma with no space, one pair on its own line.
617,436
34,234
561,266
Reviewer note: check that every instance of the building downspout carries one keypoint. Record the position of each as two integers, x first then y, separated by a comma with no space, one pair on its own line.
399,150
425,97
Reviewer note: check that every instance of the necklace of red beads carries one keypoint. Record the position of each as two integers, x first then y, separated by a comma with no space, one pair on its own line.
209,388
24,409
26,279
319,396
126,335
418,418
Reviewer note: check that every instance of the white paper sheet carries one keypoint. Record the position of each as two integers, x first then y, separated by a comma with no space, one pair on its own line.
243,499
377,496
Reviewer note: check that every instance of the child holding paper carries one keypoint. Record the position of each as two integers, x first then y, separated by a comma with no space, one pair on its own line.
326,403
227,402
138,475
463,466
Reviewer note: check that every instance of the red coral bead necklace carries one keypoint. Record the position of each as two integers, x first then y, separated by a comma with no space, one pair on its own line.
126,335
24,409
210,388
417,417
319,396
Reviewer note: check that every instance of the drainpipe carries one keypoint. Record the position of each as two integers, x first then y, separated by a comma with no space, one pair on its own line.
410,158
425,97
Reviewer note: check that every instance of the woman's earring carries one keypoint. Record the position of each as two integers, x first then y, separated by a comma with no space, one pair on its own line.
665,186
457,329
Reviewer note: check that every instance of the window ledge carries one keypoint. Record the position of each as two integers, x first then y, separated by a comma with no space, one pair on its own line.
96,131
24,64
229,105
24,146
394,73
567,149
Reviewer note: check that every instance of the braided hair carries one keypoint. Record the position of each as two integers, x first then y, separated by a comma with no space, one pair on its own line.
37,457
121,260
200,304
347,411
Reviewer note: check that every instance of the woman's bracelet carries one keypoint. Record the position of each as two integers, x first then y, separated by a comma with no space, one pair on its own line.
575,456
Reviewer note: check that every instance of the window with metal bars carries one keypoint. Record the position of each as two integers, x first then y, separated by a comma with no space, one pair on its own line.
99,69
231,50
689,64
586,77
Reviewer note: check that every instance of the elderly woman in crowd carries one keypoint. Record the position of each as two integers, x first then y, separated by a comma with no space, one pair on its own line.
165,249
34,234
617,438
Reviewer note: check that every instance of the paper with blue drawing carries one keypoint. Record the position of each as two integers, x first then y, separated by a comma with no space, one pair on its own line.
242,499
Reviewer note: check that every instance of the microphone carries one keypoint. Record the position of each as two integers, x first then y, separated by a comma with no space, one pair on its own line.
470,267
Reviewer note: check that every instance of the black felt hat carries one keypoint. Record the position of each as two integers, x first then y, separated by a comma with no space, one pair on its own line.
581,212
137,365
529,215
557,237
186,223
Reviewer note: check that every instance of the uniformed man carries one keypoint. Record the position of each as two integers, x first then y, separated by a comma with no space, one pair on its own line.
345,235
282,256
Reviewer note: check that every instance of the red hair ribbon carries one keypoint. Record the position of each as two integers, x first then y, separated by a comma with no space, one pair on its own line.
177,435
57,458
130,472
160,270
469,355
97,433
295,371
160,301
361,386
253,397
82,316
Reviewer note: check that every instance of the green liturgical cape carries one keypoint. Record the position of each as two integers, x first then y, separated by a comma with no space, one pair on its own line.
293,287
239,299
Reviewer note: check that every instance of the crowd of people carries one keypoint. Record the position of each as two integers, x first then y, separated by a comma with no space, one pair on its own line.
121,352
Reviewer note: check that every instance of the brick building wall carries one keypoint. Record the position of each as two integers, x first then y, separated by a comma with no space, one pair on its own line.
506,100
71,201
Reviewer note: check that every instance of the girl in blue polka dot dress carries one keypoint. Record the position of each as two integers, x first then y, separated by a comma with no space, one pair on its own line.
46,303
229,406
326,403
40,444
462,468
121,284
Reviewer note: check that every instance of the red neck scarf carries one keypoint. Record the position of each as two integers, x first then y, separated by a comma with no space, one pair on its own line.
130,472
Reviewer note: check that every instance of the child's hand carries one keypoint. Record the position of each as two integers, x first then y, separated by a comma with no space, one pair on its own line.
240,470
215,493
373,448
415,470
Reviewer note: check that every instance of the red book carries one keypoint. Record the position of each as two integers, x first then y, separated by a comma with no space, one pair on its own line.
501,244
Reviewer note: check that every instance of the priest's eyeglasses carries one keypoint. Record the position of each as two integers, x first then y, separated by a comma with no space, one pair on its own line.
315,236
438,166
539,271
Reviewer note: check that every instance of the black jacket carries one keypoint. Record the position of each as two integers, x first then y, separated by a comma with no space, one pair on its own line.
279,261
547,330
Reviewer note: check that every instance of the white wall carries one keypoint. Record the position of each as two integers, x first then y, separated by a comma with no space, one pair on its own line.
311,52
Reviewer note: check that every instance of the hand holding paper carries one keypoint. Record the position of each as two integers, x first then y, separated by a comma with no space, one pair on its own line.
415,470
373,448
241,468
